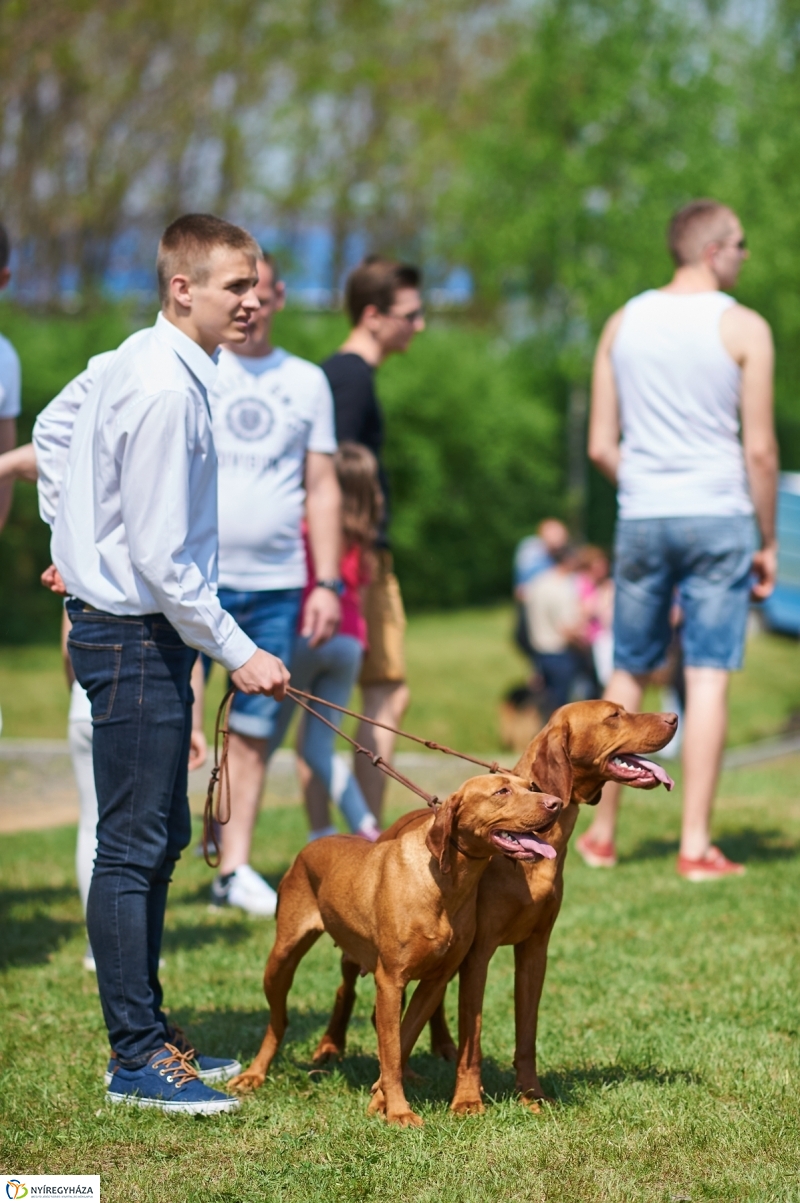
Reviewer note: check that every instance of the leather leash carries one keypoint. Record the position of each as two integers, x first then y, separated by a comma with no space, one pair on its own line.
219,781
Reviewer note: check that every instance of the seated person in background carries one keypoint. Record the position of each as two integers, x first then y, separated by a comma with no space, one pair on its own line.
331,669
556,626
534,554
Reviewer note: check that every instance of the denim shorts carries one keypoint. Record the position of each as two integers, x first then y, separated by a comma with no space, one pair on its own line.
270,619
704,563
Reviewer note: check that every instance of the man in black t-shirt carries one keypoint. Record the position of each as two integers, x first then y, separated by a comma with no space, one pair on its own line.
385,308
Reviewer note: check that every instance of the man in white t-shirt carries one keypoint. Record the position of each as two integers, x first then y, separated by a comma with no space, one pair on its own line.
274,435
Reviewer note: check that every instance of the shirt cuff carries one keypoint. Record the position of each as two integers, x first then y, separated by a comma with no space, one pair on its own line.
236,650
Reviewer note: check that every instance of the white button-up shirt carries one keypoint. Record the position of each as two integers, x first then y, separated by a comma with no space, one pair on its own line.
135,530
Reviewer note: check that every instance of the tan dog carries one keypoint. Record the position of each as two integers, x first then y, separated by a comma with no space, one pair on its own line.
584,745
404,909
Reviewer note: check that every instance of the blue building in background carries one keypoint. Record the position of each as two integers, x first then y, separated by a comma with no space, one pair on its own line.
781,612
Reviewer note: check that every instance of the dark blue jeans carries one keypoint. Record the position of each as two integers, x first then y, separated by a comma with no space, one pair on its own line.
136,672
559,670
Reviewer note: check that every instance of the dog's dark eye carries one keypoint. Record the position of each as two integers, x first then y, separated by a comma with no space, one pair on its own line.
613,717
498,793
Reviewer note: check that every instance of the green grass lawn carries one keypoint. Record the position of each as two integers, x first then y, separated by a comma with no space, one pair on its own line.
460,664
669,1036
669,1022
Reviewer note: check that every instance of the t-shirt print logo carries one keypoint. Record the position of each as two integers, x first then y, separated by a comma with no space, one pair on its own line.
250,419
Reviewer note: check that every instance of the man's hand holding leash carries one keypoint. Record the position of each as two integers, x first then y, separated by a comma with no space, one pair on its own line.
262,673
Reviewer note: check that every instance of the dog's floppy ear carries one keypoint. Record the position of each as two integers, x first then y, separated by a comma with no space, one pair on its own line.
550,767
438,838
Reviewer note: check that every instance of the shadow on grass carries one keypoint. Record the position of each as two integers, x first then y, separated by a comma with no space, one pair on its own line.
219,1033
742,846
244,1030
30,934
189,937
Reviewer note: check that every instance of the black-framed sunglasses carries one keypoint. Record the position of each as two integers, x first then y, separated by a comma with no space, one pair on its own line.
412,317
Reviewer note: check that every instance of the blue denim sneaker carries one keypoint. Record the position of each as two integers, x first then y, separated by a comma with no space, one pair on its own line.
169,1083
208,1069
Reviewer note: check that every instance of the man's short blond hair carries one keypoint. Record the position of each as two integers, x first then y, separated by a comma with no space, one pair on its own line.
694,226
186,246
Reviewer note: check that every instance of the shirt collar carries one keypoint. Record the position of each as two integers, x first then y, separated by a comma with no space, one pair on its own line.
203,366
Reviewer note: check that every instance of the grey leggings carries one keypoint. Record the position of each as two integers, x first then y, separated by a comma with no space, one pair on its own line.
330,672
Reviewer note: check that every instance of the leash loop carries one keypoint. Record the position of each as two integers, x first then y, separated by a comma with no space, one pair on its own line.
219,783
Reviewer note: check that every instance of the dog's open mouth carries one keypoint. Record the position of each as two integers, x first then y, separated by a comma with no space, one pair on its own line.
635,770
523,845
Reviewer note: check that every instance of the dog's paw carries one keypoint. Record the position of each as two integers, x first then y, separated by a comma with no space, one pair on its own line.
246,1082
535,1101
405,1119
467,1107
326,1050
377,1104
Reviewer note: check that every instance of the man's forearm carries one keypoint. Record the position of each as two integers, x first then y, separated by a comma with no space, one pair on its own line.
606,460
762,473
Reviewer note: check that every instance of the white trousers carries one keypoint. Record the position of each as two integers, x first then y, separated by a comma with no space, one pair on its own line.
80,748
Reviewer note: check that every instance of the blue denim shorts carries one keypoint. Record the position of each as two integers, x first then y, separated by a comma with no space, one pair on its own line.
270,619
704,563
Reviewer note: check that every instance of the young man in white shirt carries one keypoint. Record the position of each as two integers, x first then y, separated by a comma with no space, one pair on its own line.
274,434
676,371
135,542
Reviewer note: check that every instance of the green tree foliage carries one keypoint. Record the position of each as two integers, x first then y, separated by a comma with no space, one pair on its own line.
544,145
470,453
608,118
53,350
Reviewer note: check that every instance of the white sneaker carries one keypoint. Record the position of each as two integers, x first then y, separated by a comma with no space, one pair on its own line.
246,889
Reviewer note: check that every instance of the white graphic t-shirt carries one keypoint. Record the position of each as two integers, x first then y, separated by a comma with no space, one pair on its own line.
9,380
267,413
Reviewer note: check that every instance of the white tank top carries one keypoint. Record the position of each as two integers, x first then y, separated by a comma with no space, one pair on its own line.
678,391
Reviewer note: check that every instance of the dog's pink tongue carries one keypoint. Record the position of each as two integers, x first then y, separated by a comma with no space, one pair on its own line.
660,774
531,845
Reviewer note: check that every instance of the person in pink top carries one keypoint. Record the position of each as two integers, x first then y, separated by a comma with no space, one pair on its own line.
331,669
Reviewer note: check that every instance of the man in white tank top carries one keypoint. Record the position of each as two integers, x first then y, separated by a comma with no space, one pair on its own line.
676,370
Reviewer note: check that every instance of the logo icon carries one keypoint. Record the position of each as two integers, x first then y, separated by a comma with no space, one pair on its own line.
250,419
16,1189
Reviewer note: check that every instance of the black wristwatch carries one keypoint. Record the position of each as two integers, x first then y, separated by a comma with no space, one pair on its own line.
335,586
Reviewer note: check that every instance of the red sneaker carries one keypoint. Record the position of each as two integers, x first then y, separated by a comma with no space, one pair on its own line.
596,856
710,867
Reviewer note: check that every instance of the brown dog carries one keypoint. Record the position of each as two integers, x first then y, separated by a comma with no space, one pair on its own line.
404,909
584,745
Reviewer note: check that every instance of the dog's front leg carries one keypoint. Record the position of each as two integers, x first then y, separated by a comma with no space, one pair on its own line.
530,963
471,988
389,1097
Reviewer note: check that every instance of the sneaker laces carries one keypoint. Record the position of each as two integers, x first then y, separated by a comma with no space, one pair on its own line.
174,1066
